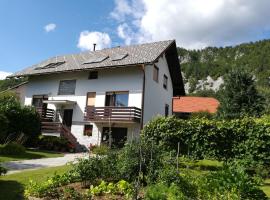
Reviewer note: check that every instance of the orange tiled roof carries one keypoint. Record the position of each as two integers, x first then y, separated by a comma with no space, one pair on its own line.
195,104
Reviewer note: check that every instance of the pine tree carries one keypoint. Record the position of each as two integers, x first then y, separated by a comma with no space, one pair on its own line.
239,96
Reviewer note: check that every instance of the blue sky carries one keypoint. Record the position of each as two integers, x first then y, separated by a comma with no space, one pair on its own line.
73,26
23,38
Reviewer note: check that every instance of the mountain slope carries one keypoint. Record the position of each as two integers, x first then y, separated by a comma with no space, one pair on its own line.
204,69
215,62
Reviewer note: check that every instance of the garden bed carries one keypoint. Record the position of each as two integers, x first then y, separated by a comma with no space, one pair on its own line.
75,189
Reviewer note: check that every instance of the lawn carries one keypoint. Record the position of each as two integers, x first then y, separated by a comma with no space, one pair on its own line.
266,187
12,186
30,154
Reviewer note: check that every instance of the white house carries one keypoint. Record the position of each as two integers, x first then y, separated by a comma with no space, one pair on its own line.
86,96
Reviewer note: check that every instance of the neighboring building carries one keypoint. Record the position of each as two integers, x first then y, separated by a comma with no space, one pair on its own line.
19,90
184,106
85,96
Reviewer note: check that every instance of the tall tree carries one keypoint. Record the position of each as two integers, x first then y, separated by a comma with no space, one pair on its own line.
239,96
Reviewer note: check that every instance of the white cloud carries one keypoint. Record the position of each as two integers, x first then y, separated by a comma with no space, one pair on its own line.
193,23
125,33
3,75
123,9
50,27
87,39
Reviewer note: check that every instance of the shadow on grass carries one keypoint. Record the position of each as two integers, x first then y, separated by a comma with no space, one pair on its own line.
11,190
30,154
266,184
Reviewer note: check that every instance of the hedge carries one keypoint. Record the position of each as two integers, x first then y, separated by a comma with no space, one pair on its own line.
247,138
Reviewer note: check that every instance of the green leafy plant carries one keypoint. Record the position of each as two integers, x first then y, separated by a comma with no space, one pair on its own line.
12,149
161,191
53,143
213,139
70,193
3,170
232,181
120,188
100,150
49,188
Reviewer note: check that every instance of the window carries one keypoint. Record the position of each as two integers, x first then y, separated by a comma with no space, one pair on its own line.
155,73
88,129
118,99
165,81
67,87
93,75
166,110
91,99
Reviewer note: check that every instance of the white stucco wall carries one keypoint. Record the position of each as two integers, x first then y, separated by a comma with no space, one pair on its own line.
118,79
155,95
121,79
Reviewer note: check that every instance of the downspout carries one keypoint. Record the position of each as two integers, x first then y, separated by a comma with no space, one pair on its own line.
143,93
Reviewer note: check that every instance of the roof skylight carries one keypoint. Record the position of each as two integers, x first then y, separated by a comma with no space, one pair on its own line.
121,56
50,65
95,59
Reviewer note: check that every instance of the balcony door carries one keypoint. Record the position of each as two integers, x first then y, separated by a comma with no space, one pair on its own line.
116,99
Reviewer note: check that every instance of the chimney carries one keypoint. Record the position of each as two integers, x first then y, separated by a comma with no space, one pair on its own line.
94,46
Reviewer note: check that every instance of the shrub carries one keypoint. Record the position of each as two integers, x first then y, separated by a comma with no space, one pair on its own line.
214,139
12,149
53,143
4,127
3,170
161,191
202,114
97,167
88,170
232,182
100,150
138,158
22,120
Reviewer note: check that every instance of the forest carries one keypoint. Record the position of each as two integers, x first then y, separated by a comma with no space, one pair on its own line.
252,57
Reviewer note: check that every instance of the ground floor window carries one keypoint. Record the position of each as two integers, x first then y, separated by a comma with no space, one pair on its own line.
118,136
88,129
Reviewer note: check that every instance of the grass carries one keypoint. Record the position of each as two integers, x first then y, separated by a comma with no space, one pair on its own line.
266,187
12,186
30,154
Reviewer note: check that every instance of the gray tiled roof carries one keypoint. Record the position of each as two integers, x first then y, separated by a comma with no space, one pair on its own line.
137,54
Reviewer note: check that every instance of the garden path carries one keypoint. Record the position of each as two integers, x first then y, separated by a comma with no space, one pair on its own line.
22,165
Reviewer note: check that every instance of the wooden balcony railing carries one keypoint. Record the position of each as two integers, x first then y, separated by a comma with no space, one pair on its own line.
113,114
46,113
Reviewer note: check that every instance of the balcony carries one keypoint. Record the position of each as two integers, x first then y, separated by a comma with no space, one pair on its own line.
112,114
